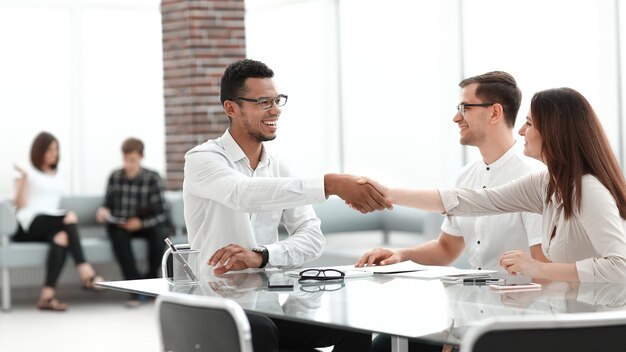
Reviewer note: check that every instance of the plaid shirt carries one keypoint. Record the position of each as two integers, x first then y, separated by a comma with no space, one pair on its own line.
141,196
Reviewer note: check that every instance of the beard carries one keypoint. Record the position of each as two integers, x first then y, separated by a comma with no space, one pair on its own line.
260,137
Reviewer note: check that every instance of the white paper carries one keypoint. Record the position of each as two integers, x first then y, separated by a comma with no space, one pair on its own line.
438,272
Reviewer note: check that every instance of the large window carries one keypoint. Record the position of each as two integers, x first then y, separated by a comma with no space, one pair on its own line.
90,72
380,77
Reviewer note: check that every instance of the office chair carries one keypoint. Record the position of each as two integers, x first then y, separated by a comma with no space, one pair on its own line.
603,331
201,323
167,261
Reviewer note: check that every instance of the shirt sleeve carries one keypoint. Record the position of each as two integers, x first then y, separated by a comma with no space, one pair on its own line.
305,242
208,175
108,197
522,195
600,219
532,227
157,201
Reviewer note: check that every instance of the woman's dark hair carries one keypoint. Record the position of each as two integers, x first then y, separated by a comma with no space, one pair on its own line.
234,78
38,150
574,144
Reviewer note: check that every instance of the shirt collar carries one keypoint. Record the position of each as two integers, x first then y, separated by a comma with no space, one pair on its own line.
234,151
504,158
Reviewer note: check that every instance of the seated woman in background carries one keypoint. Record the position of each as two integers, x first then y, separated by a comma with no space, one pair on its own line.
38,195
581,196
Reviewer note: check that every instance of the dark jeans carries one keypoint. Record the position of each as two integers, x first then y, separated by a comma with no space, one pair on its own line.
121,243
43,229
382,343
272,335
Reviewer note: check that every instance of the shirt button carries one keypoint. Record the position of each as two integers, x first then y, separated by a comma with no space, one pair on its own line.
480,268
478,242
484,186
487,168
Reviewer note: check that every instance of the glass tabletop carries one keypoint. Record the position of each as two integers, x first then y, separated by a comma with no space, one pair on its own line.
406,307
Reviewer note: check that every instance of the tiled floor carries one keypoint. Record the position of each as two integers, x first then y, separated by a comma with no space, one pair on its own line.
101,322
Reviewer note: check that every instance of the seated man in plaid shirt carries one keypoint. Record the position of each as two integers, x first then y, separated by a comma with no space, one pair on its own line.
134,207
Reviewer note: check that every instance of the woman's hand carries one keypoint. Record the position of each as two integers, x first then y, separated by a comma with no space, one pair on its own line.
518,262
21,171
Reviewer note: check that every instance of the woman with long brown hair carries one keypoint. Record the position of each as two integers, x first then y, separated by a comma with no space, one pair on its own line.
38,195
581,196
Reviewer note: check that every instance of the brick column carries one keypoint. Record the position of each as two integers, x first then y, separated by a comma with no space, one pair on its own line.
200,38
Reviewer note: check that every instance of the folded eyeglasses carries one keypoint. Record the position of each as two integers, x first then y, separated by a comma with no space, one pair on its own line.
321,274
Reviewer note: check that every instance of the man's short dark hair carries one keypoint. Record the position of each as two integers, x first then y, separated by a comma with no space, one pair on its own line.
132,145
234,78
498,87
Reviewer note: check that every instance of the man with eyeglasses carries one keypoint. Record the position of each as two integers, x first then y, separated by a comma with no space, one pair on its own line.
236,195
486,117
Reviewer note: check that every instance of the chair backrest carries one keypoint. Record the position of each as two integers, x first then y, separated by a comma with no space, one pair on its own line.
202,323
8,224
167,262
604,331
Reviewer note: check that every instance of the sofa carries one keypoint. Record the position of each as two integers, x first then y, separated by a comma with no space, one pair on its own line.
336,217
94,239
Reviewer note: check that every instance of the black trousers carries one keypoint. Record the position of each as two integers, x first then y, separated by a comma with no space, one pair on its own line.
43,229
121,243
273,335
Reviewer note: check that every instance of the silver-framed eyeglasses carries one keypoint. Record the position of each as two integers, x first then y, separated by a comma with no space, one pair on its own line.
461,107
266,103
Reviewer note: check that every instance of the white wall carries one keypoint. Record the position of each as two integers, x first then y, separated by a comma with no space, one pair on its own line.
90,72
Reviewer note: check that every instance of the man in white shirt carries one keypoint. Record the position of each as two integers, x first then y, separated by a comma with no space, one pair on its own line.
236,195
486,118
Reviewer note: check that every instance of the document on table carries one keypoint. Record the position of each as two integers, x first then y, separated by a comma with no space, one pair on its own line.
352,271
448,272
407,268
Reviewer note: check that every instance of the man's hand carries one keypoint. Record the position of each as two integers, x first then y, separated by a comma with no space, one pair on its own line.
234,257
363,197
518,262
132,224
379,256
102,214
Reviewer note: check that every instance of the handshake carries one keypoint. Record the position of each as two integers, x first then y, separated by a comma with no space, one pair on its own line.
360,193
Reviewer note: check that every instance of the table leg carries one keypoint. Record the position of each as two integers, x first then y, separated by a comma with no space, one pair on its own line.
399,344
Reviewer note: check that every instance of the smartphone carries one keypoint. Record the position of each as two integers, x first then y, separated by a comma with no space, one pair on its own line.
280,286
517,287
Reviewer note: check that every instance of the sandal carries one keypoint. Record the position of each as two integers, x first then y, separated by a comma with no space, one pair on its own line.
52,304
90,283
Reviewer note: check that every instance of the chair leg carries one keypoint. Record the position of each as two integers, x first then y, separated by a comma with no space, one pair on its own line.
386,236
6,289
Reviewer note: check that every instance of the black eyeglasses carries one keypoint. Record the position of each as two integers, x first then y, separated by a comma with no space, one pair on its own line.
321,274
267,103
461,107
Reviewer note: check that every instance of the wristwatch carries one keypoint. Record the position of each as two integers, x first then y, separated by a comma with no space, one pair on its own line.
265,254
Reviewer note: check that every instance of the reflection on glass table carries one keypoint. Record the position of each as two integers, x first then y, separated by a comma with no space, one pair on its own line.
403,307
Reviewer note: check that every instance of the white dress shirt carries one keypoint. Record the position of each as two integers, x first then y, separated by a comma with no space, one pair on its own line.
594,237
487,237
226,202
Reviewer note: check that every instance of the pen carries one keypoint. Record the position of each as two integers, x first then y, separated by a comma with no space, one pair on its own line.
181,260
486,280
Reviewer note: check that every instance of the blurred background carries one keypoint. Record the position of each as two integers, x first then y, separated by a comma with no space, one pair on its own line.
372,84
